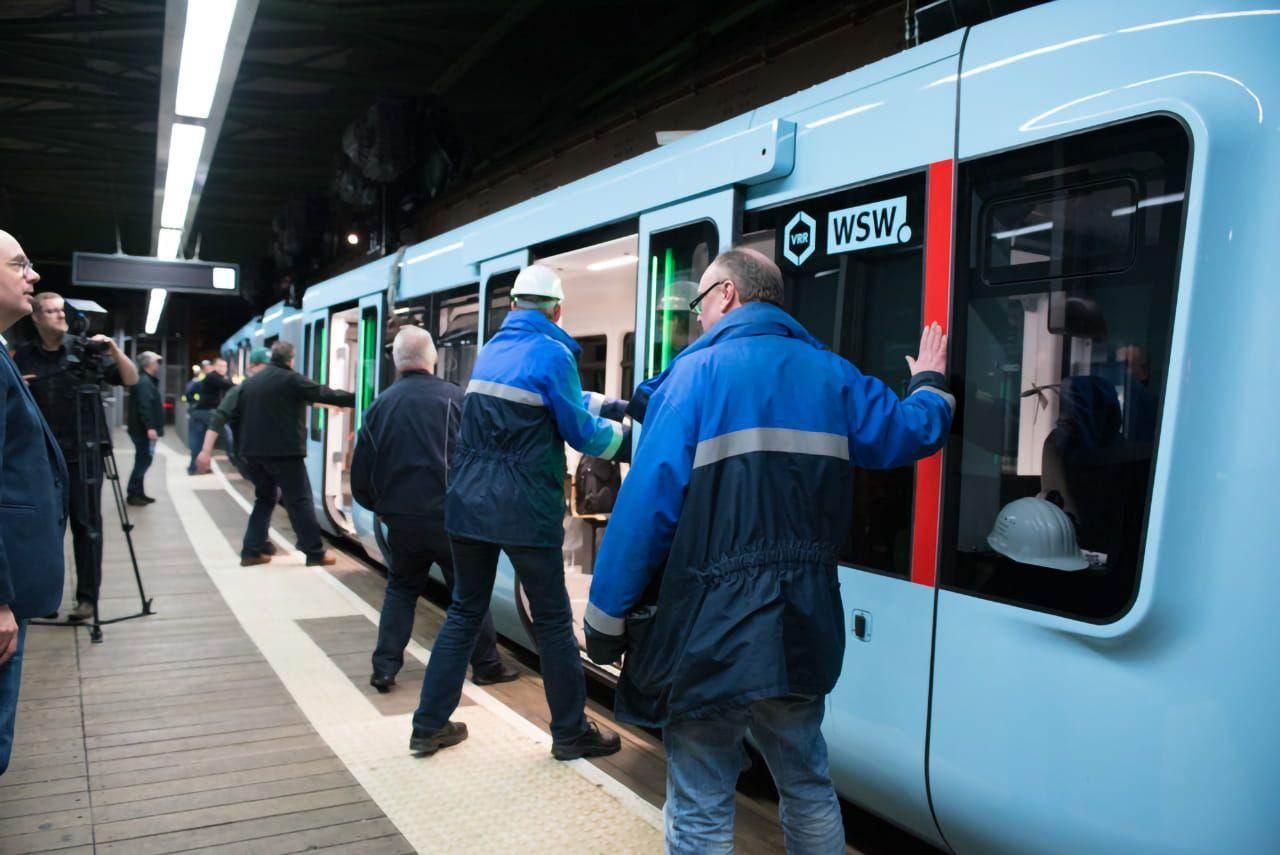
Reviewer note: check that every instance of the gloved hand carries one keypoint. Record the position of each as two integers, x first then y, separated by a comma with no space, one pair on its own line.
604,649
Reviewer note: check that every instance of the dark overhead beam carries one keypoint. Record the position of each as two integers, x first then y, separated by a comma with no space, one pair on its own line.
95,24
483,46
403,80
63,72
74,97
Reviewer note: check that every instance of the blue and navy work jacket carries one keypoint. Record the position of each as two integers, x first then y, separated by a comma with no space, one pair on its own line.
728,526
524,402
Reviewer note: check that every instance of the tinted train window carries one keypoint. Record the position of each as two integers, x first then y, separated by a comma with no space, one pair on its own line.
412,313
457,318
1061,379
677,259
628,364
498,294
593,362
853,272
320,347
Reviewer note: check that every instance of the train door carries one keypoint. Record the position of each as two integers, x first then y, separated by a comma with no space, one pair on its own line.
598,273
315,364
368,376
1067,711
353,367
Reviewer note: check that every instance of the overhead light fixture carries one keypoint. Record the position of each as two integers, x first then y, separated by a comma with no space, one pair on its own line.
185,144
224,278
170,243
204,41
353,238
155,306
609,264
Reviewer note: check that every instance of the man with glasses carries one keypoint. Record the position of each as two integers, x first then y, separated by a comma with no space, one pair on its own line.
33,513
55,381
720,558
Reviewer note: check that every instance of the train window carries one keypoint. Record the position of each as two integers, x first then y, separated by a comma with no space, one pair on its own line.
320,346
409,314
593,361
498,294
1061,380
677,259
853,273
457,318
367,386
1063,232
628,364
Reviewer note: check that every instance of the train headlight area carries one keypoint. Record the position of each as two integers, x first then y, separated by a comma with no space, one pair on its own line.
1052,626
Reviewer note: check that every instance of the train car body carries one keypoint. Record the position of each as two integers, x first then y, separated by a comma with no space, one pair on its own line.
263,331
1082,193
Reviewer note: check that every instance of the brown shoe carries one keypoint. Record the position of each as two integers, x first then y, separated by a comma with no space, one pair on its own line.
82,611
252,560
326,559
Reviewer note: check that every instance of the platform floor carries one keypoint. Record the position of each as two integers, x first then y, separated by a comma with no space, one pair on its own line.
238,718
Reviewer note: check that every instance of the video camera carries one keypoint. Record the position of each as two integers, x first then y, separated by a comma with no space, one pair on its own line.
82,351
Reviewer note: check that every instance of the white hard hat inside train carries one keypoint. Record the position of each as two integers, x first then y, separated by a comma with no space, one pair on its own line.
1036,531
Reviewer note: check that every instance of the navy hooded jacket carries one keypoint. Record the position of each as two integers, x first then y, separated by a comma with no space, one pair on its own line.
731,519
524,402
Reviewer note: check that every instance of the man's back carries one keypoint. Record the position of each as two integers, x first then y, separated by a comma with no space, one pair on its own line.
401,460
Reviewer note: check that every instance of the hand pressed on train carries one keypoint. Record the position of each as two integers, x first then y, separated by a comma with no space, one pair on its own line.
8,634
204,462
933,351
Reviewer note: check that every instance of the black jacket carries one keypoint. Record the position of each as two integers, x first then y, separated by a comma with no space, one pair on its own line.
212,388
55,387
146,410
271,410
402,455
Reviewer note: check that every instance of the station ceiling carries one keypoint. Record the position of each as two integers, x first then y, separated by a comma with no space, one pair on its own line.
80,82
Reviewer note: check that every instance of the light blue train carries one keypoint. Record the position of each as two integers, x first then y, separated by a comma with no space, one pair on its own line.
1085,193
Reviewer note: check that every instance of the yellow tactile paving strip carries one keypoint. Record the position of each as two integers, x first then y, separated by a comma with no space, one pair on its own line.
500,791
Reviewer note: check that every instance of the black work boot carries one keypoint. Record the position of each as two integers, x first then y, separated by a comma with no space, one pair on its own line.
382,682
500,673
423,743
595,741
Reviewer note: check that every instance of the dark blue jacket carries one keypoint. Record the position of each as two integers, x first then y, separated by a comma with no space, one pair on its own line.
402,456
524,402
734,511
33,502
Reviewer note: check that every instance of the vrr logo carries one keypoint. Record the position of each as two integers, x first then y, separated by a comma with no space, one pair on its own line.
798,238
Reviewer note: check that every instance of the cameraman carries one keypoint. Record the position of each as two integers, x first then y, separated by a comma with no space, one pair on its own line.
55,377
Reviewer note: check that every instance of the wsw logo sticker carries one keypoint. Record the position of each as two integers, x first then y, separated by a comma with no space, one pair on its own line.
867,226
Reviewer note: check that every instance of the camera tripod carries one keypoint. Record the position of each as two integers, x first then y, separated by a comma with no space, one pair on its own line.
97,461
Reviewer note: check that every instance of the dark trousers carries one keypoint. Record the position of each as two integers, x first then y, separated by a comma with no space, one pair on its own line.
281,479
413,551
142,457
10,679
197,424
86,532
541,574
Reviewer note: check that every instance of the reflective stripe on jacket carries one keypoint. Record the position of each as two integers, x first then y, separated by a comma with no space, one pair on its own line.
734,511
524,401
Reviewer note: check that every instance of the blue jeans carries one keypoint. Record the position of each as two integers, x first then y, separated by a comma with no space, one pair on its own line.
413,550
197,424
704,757
143,454
541,573
10,679
281,479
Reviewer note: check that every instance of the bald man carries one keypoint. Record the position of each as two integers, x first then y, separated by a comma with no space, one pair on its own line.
32,502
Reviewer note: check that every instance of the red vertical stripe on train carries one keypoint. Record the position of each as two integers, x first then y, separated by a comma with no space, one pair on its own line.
937,307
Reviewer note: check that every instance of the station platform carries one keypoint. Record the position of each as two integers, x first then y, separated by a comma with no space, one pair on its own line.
238,717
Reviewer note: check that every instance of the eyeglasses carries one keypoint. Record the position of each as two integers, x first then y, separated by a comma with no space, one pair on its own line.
693,304
24,265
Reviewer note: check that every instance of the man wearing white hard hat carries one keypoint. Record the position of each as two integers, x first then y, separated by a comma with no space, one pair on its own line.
506,494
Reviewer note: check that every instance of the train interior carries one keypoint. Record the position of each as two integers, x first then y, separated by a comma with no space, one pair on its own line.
339,442
599,312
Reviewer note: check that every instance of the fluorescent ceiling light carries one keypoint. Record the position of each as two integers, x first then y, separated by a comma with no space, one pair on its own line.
224,279
169,244
155,306
204,41
185,143
609,264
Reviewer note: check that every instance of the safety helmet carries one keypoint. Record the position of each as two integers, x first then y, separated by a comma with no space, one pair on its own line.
538,281
1036,531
